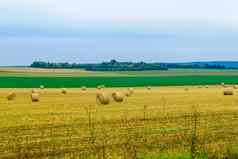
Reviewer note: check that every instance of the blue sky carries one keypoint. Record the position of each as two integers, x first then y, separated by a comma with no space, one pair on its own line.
128,30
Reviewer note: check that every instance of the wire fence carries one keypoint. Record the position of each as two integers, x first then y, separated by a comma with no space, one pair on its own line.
126,137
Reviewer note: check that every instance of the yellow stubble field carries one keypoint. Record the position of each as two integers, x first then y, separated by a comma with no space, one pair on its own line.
74,125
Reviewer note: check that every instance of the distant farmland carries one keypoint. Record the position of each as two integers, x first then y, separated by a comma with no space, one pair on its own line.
57,78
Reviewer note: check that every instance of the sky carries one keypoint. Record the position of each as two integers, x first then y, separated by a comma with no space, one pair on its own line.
127,30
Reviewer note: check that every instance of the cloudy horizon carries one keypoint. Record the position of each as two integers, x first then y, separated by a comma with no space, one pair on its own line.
95,31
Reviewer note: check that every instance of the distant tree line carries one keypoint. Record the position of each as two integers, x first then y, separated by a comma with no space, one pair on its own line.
114,65
196,66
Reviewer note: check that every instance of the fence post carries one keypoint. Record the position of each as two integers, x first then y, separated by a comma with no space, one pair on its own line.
145,112
194,139
90,124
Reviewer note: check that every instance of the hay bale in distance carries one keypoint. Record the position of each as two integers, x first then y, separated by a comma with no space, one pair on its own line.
42,86
83,88
103,98
228,92
235,87
129,92
35,97
64,91
34,91
99,87
225,86
117,96
11,96
148,88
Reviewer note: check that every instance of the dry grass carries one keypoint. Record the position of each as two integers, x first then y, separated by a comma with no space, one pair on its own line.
61,124
207,100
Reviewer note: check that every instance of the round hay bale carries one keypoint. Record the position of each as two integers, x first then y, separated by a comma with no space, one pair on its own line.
64,91
222,84
103,98
117,96
228,92
34,91
127,93
83,88
99,87
148,88
35,97
42,86
131,90
225,86
235,87
11,96
186,89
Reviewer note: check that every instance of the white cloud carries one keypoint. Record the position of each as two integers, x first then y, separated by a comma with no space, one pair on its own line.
125,11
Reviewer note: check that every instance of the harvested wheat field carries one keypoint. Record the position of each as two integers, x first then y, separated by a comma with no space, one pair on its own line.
163,121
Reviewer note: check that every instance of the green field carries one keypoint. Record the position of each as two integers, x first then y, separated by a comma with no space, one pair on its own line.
30,78
74,82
